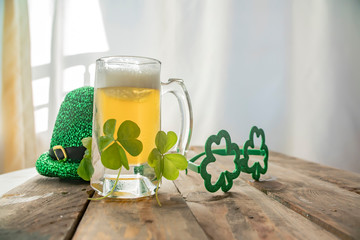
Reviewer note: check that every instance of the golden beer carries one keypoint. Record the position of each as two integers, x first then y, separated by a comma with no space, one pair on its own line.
140,105
129,88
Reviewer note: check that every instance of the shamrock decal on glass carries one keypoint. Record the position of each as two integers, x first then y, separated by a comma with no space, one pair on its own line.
256,169
225,176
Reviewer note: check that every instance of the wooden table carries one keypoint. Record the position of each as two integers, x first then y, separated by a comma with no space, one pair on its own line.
296,199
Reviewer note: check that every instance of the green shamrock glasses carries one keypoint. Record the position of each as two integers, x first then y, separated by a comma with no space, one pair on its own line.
225,180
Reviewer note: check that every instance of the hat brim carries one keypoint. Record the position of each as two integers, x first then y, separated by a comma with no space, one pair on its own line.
47,166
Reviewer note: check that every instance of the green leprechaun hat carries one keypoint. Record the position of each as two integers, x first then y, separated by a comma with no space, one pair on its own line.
73,123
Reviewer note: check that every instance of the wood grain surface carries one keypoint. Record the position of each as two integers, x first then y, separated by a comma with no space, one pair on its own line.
243,212
341,178
141,219
335,209
296,199
43,208
309,190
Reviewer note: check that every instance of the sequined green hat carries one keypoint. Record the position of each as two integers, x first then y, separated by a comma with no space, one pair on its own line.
73,123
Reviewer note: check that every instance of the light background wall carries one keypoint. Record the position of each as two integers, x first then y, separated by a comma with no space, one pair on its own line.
1,40
289,67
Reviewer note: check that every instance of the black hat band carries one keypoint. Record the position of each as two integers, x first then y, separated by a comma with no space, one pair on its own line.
63,154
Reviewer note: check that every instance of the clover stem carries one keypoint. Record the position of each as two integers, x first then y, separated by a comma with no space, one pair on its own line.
156,193
157,188
112,190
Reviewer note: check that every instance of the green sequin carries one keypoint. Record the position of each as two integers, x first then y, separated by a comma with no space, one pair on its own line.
73,123
47,166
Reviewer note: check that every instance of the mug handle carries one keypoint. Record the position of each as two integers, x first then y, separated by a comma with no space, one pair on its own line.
177,87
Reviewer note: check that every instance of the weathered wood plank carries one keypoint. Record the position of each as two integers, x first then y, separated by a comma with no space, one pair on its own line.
329,205
244,212
141,219
332,204
43,208
335,209
343,179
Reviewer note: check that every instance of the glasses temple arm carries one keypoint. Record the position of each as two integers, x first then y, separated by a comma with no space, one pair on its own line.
196,168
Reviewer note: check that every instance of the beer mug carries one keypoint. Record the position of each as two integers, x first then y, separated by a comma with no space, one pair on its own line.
129,88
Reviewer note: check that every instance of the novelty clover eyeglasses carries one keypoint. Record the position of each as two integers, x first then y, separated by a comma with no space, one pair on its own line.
225,180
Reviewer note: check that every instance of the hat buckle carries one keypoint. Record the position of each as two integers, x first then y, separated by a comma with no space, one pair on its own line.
58,147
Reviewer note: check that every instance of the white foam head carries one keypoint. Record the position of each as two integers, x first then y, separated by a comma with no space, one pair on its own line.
127,72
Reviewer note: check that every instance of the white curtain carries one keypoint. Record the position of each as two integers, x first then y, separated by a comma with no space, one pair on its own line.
17,145
289,67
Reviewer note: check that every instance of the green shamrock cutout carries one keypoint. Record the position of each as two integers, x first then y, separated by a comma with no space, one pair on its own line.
256,169
241,165
231,149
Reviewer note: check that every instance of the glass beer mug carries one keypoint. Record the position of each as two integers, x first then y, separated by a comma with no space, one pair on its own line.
129,88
